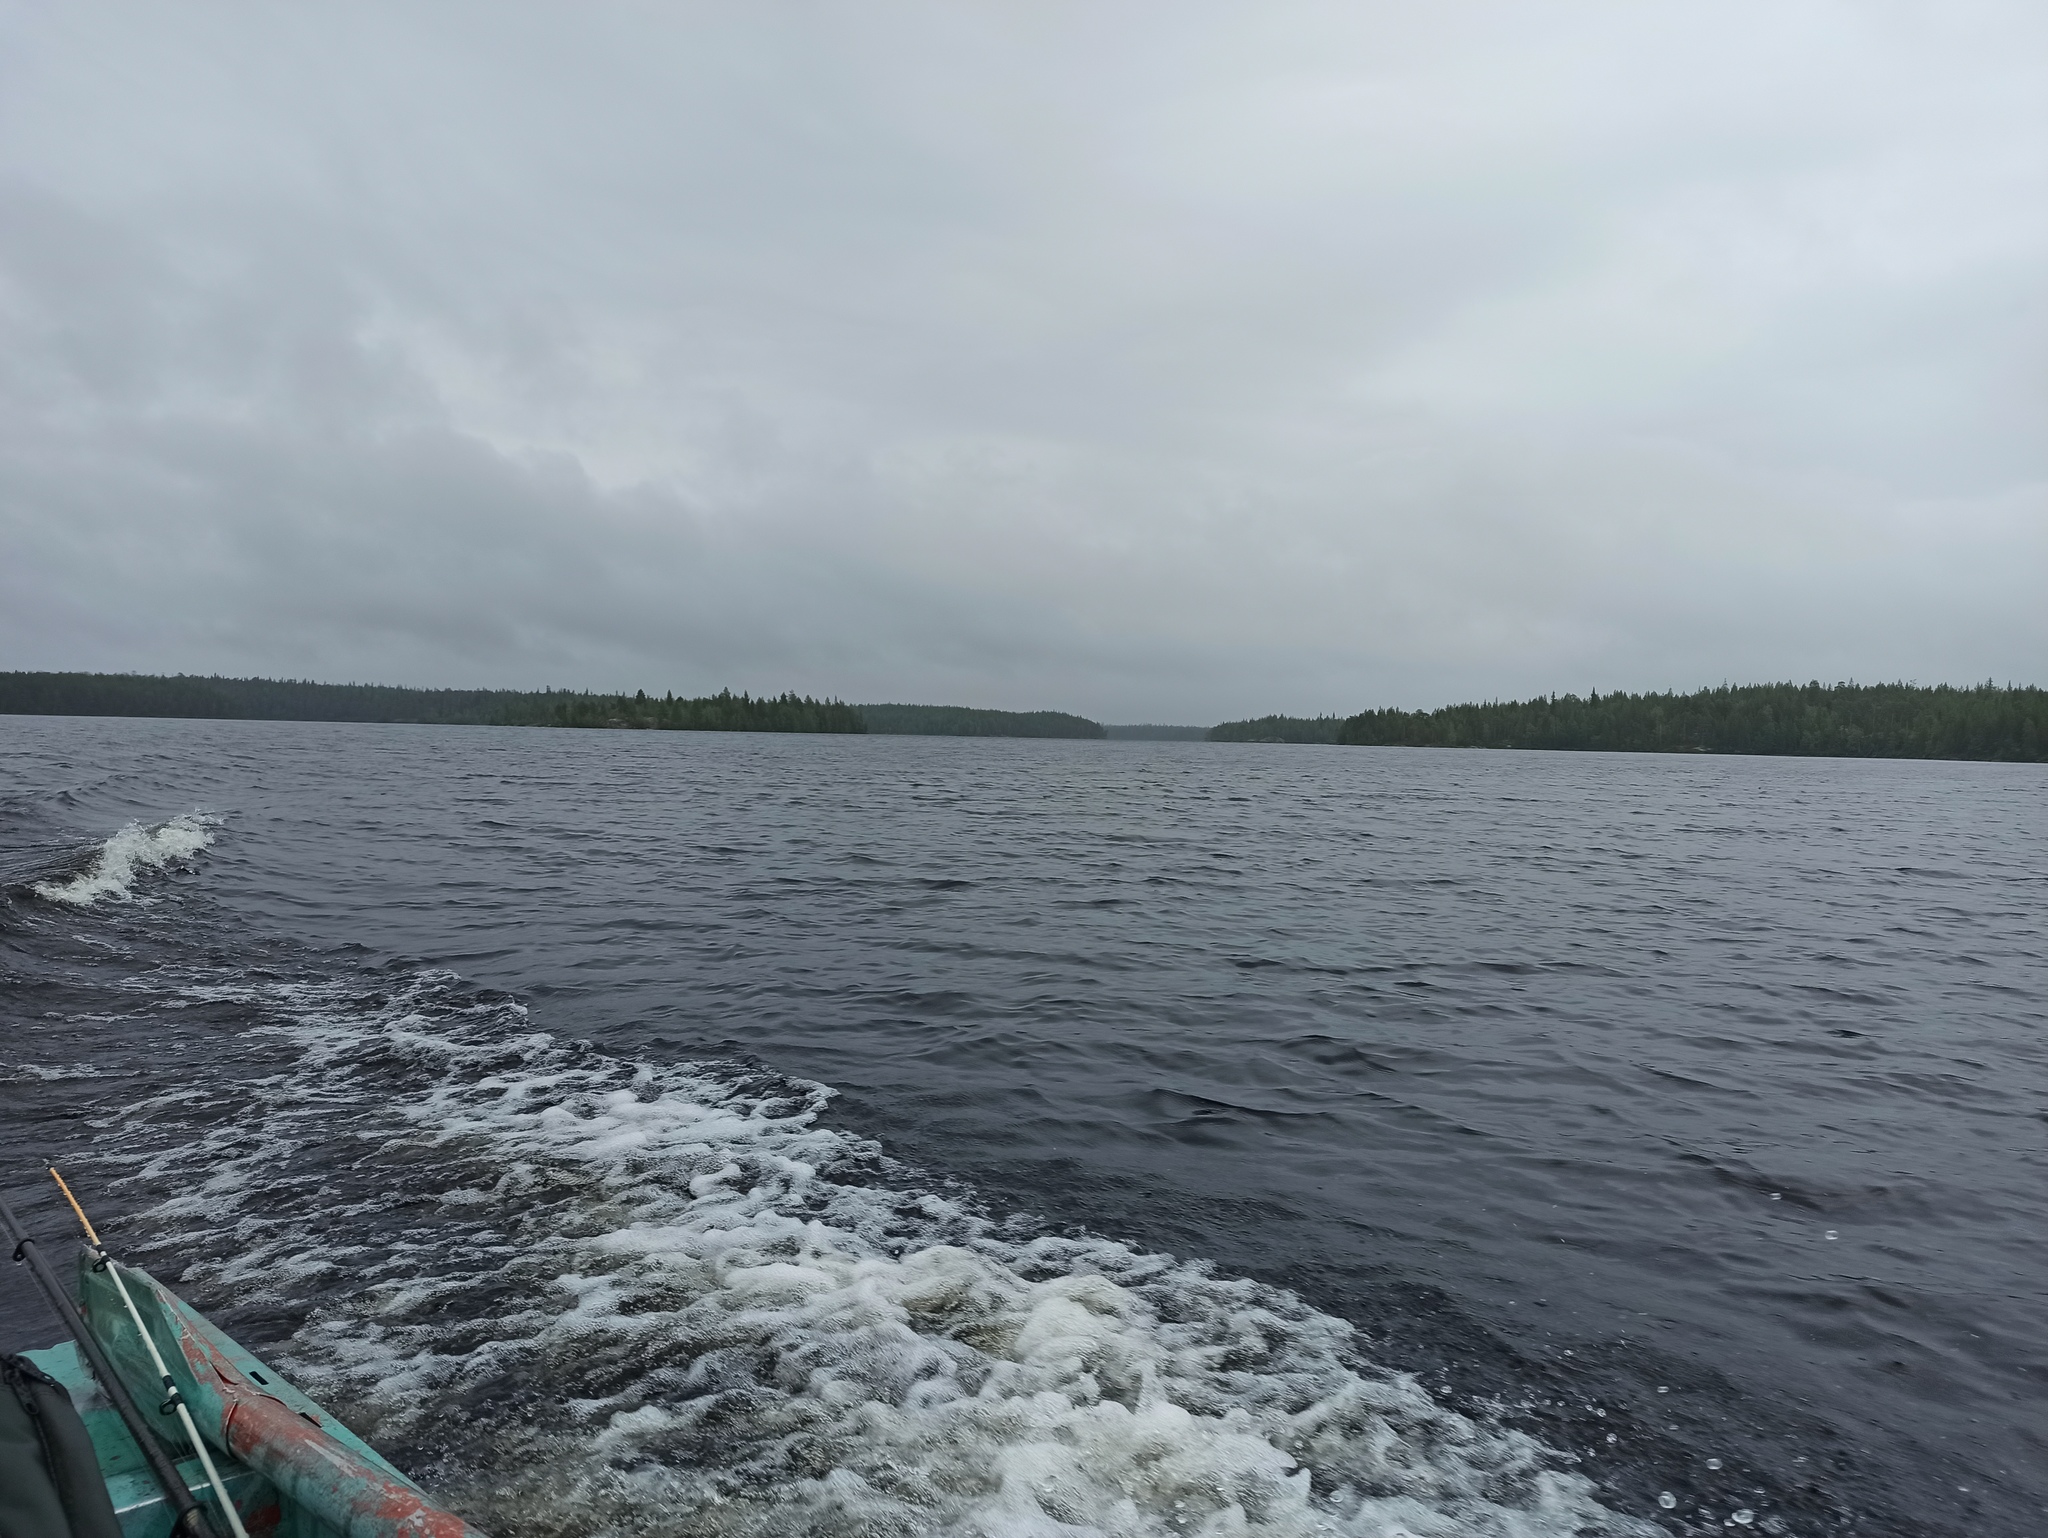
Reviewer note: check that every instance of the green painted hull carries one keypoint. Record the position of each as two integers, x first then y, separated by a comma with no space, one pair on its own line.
292,1469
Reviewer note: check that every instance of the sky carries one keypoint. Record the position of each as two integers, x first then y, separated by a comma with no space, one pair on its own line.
1161,362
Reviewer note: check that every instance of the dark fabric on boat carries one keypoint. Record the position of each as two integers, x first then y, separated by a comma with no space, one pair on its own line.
50,1483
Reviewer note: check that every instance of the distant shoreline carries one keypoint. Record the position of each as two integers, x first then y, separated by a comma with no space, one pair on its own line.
188,697
1983,722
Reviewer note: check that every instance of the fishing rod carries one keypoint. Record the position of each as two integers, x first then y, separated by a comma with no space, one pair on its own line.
173,1400
190,1521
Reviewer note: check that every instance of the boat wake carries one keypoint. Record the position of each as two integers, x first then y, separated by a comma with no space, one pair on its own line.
112,869
584,1295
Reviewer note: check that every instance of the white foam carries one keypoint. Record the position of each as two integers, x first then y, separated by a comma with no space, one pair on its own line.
133,850
714,1318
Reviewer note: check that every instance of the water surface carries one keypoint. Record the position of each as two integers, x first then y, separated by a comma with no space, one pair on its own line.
791,1133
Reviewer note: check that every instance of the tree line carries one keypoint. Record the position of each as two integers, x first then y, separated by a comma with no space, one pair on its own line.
720,712
1279,729
269,699
1848,720
961,721
1817,720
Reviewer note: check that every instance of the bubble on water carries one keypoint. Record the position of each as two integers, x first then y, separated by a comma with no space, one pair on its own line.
1743,1517
1667,1500
1713,1463
1663,1388
1831,1234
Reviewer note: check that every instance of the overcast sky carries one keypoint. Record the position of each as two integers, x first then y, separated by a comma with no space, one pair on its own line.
1160,362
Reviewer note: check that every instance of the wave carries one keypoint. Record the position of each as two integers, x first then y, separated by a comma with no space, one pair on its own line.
587,1295
114,866
52,1073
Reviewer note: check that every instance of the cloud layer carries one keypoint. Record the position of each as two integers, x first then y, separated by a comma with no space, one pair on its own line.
1158,362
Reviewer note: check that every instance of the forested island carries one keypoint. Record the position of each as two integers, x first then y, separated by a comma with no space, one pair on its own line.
1813,720
267,699
961,721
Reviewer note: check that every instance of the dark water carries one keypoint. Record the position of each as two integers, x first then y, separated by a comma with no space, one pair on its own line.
653,1133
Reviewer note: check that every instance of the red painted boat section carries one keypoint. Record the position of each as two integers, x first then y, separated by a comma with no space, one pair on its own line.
317,1464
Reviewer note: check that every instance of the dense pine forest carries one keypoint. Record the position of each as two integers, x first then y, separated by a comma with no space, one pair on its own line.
1279,729
960,721
265,699
1814,720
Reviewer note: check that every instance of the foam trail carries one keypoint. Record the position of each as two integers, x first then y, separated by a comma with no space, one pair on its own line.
589,1296
128,854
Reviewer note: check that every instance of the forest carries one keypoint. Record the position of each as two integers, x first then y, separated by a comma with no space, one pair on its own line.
1984,721
1817,720
961,721
266,699
721,712
1279,729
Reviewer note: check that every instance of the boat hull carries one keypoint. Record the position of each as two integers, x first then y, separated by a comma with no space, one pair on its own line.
292,1469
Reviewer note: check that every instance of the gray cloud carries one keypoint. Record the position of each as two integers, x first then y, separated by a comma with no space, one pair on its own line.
1156,362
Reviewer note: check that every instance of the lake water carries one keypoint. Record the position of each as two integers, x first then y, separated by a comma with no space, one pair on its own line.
665,1133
